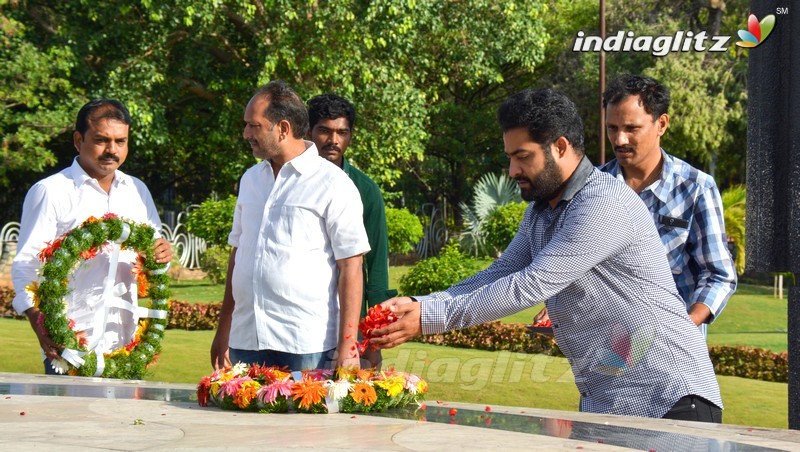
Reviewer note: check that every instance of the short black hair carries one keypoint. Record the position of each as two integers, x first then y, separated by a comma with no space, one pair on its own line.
653,96
330,106
546,114
284,104
98,109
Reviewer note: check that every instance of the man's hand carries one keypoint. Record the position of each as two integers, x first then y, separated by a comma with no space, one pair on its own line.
699,312
407,326
50,349
219,352
542,316
162,251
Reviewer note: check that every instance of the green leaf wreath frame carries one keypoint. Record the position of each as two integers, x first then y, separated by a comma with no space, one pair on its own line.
62,256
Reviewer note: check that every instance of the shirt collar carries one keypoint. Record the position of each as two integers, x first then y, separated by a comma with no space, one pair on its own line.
660,188
663,187
80,176
307,161
574,184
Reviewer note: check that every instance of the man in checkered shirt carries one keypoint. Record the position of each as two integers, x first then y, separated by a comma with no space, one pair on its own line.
588,247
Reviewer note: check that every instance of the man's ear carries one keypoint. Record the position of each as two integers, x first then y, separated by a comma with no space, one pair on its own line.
77,140
285,129
560,146
662,123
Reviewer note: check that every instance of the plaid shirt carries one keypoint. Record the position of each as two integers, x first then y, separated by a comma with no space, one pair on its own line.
687,210
597,261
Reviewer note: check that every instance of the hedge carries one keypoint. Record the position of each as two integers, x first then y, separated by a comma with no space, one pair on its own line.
740,361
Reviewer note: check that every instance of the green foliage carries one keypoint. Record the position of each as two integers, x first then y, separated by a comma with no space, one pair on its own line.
502,224
733,204
213,220
214,262
490,192
405,230
438,273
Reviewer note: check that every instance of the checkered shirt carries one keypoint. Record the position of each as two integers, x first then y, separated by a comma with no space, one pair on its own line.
697,250
597,262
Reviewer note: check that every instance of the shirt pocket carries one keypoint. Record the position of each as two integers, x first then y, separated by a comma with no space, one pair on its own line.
674,239
300,228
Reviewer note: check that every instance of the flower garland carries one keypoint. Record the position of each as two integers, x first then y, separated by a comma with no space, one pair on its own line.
61,257
273,390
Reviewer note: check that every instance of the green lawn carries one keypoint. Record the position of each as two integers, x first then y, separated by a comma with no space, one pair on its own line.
752,318
455,374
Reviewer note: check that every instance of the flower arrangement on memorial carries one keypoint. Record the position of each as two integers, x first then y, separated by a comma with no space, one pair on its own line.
274,390
60,258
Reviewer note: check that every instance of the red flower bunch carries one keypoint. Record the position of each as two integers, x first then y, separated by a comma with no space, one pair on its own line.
377,317
47,252
544,323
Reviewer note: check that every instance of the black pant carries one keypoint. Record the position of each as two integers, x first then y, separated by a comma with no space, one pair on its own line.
694,408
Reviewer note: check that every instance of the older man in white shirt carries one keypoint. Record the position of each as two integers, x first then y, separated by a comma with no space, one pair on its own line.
91,186
294,287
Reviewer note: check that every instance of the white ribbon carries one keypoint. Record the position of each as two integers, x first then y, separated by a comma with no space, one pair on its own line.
160,271
112,298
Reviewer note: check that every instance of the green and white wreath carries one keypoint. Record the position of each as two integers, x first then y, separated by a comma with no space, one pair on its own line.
61,258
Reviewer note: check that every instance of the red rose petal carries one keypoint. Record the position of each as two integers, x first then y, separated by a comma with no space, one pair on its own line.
453,411
488,408
22,413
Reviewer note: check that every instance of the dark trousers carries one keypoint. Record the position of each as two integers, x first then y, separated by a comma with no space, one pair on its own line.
694,408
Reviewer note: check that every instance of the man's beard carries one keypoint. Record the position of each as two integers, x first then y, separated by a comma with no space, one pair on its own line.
547,185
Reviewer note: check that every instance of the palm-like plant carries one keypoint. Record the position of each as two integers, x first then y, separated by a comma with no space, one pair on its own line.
733,203
490,192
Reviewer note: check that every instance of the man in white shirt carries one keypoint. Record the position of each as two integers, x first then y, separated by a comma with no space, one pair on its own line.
294,287
91,186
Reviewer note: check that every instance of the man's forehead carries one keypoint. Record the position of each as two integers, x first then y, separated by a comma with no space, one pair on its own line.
100,124
340,122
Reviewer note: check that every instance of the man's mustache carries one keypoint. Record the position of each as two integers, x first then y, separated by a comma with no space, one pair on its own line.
109,157
331,147
623,148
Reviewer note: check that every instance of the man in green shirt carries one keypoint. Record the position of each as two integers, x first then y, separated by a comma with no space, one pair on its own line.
331,122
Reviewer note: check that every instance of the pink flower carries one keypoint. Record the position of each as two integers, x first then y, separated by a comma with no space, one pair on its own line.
268,394
232,386
319,374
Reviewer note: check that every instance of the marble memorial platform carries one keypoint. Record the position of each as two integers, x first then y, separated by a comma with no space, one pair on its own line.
40,412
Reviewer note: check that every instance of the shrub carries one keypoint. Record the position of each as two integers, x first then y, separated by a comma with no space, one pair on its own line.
490,192
214,262
405,230
438,273
213,220
501,225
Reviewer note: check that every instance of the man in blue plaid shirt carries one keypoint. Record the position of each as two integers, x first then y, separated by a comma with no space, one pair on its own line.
685,202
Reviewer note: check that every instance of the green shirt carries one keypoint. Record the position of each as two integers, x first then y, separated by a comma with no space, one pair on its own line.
376,262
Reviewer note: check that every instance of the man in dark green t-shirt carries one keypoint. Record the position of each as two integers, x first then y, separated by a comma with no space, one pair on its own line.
331,123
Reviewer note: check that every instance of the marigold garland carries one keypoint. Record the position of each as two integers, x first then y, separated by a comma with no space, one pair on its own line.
273,390
61,257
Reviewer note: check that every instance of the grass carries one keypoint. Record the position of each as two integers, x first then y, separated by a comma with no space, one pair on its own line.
753,318
454,374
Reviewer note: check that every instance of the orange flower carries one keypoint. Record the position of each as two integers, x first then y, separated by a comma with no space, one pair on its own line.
364,374
246,394
89,254
364,394
90,220
141,276
309,391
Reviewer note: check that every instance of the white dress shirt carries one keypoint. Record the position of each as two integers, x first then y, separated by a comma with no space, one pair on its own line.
60,203
289,231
